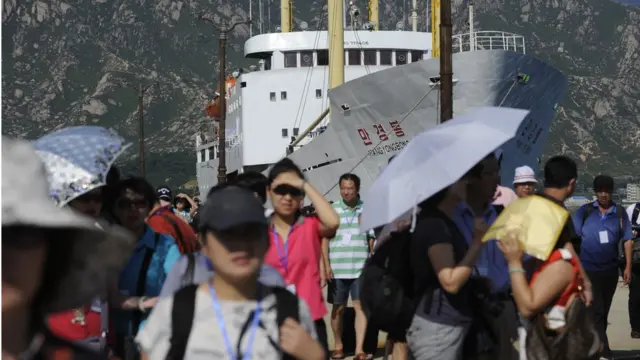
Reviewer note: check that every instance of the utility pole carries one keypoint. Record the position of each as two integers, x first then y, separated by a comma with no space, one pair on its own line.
141,89
222,136
446,62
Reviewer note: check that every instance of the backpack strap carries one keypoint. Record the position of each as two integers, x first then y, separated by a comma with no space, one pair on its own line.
187,278
635,214
141,285
182,312
585,214
286,307
176,228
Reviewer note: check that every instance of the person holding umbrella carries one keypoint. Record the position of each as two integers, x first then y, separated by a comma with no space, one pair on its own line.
440,311
53,259
78,162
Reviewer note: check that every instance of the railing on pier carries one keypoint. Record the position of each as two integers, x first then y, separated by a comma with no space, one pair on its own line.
489,40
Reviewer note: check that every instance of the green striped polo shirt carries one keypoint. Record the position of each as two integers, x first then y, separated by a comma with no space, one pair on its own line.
349,250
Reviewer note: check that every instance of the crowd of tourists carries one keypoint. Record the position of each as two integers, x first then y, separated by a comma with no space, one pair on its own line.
117,268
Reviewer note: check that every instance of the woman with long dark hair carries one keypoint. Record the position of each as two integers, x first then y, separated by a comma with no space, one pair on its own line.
295,240
443,316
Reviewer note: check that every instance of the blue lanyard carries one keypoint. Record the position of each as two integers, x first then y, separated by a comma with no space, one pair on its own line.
283,255
223,329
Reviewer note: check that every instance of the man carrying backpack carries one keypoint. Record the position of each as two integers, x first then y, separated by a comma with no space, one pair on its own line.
605,230
634,284
232,315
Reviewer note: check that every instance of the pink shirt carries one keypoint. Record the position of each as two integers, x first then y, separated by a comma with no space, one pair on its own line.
504,196
302,262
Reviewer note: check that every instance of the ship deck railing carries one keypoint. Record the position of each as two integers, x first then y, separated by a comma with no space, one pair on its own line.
489,40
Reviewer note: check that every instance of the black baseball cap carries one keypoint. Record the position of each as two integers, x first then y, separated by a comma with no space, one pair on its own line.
164,193
230,207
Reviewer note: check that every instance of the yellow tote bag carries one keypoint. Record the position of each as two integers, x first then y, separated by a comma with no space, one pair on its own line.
536,221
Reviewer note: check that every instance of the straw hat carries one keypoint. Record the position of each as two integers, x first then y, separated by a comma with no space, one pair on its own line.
83,257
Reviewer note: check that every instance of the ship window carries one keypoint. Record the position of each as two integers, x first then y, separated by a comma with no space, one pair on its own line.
354,57
318,93
267,63
202,156
416,56
283,95
385,57
290,59
370,57
401,57
212,153
306,58
285,133
296,131
243,84
323,57
272,96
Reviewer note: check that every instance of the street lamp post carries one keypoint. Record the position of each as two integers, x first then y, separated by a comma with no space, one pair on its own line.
222,138
141,89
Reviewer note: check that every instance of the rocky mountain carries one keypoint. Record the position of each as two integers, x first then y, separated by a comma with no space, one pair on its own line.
78,62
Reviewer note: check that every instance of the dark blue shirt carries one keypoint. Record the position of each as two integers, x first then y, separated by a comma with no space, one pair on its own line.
601,236
491,262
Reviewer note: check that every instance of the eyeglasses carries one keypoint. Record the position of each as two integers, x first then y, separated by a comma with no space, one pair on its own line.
285,189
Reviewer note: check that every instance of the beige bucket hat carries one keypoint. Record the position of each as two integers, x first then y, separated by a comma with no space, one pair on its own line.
84,258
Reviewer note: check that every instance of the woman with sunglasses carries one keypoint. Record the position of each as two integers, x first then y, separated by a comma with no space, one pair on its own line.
142,277
295,240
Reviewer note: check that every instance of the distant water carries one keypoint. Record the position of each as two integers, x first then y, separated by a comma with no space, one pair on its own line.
630,2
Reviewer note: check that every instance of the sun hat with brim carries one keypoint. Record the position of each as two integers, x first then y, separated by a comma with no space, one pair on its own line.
82,258
524,174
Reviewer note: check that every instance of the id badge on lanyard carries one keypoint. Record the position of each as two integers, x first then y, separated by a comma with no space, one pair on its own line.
283,256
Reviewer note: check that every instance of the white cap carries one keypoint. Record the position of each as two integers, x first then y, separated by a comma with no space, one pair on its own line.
524,174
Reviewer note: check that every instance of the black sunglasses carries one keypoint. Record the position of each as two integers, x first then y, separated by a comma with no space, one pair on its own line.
285,189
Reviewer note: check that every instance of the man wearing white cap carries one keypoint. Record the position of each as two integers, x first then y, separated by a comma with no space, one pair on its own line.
524,181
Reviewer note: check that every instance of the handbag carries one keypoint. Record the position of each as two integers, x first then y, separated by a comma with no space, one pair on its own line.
577,340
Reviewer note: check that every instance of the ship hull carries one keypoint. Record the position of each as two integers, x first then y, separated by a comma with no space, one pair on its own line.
374,117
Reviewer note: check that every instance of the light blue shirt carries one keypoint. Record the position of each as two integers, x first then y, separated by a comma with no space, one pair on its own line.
491,262
165,254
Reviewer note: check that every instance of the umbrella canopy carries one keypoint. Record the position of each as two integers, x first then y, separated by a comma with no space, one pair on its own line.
78,159
436,159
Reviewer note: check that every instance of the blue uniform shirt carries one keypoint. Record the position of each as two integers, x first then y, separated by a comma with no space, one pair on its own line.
165,254
601,236
491,262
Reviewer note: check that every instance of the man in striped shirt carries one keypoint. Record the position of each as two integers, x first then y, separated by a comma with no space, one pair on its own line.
346,254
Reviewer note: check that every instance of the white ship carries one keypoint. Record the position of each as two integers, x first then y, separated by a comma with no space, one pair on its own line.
391,93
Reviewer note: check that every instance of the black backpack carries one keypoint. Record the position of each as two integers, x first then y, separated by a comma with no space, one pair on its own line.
386,291
183,310
387,295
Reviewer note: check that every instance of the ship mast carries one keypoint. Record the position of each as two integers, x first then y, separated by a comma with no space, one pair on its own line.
335,16
373,14
286,16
